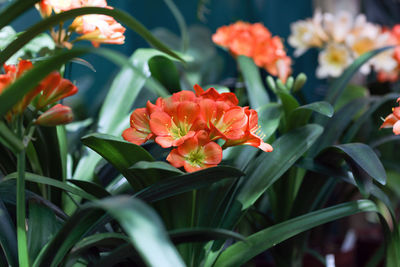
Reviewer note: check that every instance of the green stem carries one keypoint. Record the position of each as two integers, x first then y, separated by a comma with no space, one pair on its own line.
23,256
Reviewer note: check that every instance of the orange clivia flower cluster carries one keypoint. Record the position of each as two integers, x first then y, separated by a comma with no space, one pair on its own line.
394,74
191,123
255,41
393,120
50,90
95,27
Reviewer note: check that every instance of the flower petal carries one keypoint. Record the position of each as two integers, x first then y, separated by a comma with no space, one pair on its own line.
160,123
134,136
175,158
213,153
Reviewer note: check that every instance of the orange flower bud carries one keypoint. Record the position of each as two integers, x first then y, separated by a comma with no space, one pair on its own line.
56,115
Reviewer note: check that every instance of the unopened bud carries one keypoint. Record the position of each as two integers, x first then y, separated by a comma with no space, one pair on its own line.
289,83
301,79
271,83
56,115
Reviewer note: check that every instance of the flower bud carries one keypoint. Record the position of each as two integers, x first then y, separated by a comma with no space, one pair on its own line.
56,115
301,79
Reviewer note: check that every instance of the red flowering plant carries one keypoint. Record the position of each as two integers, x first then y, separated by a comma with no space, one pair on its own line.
192,123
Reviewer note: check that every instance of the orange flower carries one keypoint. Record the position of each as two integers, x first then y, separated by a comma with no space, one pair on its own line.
99,29
139,132
46,7
223,121
13,72
54,88
252,133
211,93
176,126
192,122
196,153
50,90
56,115
393,120
255,41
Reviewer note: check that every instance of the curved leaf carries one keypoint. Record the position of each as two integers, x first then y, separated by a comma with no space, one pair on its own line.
241,252
202,235
91,188
340,83
187,182
54,20
269,167
365,158
120,153
52,182
8,236
10,139
256,91
139,221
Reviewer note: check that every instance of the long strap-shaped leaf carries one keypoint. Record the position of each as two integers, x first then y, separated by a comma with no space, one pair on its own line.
51,21
139,221
340,84
241,252
52,182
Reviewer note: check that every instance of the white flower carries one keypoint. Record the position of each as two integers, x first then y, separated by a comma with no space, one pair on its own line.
333,60
337,26
306,34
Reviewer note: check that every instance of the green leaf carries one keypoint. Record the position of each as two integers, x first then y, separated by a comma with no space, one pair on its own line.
321,107
269,117
120,153
144,173
366,115
269,167
165,71
364,164
91,188
8,236
350,93
42,225
139,221
256,91
54,20
187,182
49,181
10,139
335,91
301,115
202,235
335,126
241,252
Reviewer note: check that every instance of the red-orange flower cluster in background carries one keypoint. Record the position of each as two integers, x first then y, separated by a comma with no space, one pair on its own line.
393,120
50,90
191,123
94,27
394,39
255,41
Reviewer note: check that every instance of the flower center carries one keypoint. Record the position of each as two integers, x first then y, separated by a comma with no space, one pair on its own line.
180,129
196,158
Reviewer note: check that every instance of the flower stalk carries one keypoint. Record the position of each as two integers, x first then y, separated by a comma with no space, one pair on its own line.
23,256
